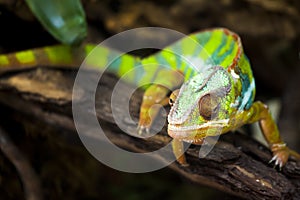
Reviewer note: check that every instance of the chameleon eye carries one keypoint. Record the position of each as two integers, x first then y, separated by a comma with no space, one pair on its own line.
173,97
208,106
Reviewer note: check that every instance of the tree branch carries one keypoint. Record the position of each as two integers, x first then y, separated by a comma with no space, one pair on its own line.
237,164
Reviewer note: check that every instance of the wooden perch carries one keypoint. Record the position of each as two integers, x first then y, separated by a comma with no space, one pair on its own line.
237,164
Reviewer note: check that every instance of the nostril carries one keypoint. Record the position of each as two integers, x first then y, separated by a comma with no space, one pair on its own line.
171,102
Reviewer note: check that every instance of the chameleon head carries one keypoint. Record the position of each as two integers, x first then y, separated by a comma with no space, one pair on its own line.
202,106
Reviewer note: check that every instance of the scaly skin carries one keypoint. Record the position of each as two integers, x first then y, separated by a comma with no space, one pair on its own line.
216,97
220,99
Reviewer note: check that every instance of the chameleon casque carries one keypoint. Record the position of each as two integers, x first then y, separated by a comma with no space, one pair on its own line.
215,96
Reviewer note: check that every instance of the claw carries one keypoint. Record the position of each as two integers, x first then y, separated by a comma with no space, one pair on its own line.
142,129
273,159
276,162
280,157
280,166
139,130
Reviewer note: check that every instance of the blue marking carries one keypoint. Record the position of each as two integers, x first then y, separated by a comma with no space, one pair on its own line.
203,38
162,62
115,64
176,48
251,98
246,98
228,52
199,49
139,72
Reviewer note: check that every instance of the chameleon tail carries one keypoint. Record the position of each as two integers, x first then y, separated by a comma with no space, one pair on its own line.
60,55
67,56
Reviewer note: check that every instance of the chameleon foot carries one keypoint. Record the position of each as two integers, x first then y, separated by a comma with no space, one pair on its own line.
142,129
281,154
154,98
280,158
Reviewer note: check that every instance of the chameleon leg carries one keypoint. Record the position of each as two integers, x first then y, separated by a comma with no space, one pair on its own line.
178,151
260,112
155,94
165,81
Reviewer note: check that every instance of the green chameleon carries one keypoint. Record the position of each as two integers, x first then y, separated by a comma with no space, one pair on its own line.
216,94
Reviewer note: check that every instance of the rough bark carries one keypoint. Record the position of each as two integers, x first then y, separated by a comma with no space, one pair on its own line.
237,164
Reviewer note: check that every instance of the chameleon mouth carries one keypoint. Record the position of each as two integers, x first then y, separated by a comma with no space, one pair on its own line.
196,133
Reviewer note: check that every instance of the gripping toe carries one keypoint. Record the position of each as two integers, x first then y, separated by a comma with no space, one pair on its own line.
280,157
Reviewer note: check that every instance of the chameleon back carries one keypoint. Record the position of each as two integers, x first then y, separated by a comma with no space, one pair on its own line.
201,51
190,55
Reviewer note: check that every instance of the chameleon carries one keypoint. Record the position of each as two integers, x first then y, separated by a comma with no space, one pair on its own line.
212,83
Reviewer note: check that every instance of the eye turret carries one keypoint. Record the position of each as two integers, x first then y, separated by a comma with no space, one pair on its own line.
208,106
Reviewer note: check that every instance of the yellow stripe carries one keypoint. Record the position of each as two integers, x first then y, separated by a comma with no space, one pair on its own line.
59,54
25,57
150,66
97,57
127,63
211,45
189,45
88,48
3,61
226,46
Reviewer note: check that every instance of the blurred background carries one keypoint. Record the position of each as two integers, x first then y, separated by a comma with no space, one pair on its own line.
270,32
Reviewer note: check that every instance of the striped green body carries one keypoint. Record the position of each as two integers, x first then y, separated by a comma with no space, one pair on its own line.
190,55
216,97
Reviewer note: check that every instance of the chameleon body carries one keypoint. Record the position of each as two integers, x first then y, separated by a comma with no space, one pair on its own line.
216,84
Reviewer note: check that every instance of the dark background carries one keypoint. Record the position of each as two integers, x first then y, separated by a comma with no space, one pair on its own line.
270,32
